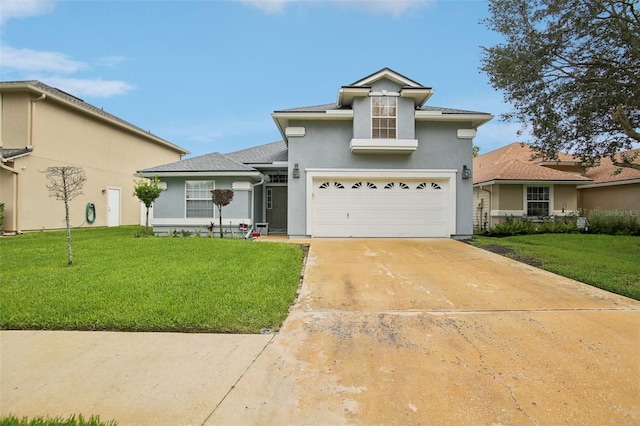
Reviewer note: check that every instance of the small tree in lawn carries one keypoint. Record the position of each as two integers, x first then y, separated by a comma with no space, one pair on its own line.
221,198
147,191
65,184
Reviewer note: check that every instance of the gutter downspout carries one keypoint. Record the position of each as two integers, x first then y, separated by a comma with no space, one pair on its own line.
489,217
15,196
32,118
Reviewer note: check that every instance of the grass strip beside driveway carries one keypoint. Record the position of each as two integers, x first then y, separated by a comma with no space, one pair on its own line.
119,282
609,262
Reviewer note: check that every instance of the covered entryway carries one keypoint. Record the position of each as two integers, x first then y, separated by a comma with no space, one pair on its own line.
277,208
387,207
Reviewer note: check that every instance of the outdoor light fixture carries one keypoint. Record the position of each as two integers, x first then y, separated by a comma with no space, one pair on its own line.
466,172
296,171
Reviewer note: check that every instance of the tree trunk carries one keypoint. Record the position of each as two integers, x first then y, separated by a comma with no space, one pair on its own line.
68,223
220,215
146,223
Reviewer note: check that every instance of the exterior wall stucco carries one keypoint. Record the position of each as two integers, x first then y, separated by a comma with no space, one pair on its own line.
169,210
614,197
326,145
62,136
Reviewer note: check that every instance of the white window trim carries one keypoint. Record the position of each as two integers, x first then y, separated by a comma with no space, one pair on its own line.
525,205
384,94
186,182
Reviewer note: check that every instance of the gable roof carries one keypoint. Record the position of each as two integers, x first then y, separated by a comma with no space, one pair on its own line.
78,104
214,162
389,74
342,108
516,162
262,154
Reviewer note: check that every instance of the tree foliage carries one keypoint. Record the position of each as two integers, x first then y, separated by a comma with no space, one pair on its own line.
221,198
65,184
571,71
147,191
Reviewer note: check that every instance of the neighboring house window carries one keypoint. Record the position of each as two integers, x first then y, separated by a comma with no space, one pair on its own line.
269,199
199,198
383,117
538,201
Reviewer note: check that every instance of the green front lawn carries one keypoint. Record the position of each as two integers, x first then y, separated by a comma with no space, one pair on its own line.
119,282
609,262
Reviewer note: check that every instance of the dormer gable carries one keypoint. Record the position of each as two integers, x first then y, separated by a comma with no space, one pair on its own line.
384,81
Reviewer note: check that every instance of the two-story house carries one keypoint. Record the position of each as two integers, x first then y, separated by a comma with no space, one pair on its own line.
376,163
41,126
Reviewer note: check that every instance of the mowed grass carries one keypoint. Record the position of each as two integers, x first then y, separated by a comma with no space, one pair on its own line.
609,262
119,282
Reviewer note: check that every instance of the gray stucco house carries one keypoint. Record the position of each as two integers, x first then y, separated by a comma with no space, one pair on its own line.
377,163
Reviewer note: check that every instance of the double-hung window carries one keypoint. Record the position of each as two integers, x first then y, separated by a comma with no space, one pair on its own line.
538,201
383,117
199,199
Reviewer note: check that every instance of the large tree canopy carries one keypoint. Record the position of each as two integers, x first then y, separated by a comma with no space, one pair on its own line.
571,71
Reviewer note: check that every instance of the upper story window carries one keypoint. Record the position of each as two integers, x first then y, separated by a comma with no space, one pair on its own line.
383,117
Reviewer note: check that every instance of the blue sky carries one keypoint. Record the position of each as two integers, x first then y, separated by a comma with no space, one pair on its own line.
207,74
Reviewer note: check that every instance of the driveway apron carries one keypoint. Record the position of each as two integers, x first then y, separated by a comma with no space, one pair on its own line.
438,332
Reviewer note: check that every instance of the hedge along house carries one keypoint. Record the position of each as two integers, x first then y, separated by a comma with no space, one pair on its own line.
376,163
41,126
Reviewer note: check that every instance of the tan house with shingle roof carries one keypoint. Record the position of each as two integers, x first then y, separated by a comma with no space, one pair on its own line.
41,126
610,190
510,182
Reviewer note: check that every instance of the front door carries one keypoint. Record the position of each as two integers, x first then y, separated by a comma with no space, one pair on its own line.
113,207
277,208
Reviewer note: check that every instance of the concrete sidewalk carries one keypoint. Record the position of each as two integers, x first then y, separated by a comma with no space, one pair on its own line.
134,378
384,332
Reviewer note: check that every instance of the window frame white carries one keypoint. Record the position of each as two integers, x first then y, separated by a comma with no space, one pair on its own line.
208,198
549,201
374,117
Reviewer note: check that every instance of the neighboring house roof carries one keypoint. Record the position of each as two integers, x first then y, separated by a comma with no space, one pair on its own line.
214,162
262,154
517,162
606,172
7,154
77,103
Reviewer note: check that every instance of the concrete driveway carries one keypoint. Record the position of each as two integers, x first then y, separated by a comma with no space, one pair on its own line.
384,332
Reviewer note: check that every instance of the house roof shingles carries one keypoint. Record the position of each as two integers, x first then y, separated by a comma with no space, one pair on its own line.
10,153
516,162
607,172
262,154
214,162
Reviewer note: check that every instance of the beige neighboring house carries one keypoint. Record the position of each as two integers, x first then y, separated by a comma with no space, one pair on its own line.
510,182
610,190
41,126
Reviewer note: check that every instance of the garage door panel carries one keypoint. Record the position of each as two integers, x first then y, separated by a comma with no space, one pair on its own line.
374,207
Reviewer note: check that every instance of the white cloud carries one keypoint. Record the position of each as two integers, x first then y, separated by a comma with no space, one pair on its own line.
393,7
110,61
268,6
95,88
16,9
38,61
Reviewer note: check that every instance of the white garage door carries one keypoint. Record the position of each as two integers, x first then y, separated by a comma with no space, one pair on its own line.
380,208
